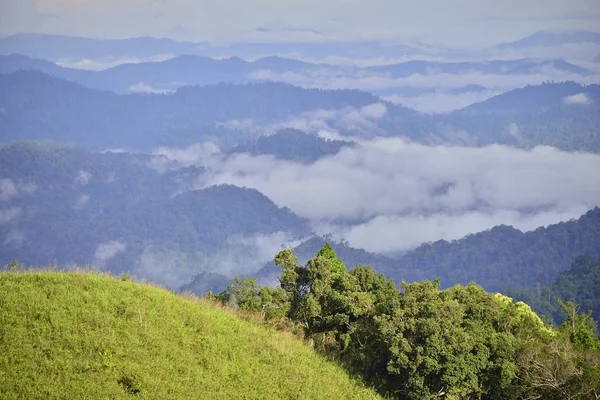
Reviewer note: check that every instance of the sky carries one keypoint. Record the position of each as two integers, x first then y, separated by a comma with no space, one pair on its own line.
460,23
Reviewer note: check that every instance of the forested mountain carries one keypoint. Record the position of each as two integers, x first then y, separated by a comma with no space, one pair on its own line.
553,38
537,99
580,284
564,115
499,67
293,145
36,106
500,259
55,47
187,70
503,256
119,212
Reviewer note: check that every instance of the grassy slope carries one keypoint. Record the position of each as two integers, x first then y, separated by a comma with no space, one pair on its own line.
81,336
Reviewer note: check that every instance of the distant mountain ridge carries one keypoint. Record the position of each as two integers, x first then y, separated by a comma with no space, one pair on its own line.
39,107
186,70
36,106
116,210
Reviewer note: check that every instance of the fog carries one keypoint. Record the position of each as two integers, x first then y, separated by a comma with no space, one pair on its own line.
240,255
389,195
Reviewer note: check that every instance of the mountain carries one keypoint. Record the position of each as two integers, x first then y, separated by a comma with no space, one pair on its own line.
579,284
35,106
503,256
205,282
93,336
292,145
494,67
553,38
55,47
565,115
187,70
537,99
120,211
497,259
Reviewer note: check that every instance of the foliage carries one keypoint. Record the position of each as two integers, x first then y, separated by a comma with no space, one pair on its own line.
128,199
503,256
420,342
68,335
580,284
292,144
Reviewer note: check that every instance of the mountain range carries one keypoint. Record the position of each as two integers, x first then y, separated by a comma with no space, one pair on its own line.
36,106
186,70
56,47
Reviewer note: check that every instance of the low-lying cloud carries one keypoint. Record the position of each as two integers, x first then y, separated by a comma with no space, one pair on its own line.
9,214
240,255
142,87
389,195
10,189
103,63
433,80
578,99
106,251
441,101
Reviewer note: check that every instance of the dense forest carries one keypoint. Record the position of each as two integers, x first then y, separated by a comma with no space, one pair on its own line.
503,256
40,107
189,69
419,342
580,284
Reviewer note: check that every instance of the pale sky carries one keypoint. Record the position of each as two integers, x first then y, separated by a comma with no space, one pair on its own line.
446,22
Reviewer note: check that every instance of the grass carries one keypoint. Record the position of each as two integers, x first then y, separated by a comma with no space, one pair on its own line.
91,336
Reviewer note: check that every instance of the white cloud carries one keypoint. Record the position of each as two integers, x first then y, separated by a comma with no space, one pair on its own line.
441,101
106,251
390,195
14,238
10,189
391,176
579,99
432,80
82,201
240,255
109,62
326,123
145,88
83,178
392,234
9,214
513,129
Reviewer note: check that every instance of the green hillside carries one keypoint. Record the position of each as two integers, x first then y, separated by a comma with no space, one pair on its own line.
88,336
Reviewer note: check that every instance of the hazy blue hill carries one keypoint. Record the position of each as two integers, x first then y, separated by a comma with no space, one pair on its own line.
550,38
39,107
579,284
204,282
54,47
498,67
534,99
564,115
504,256
284,64
64,204
188,69
293,145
